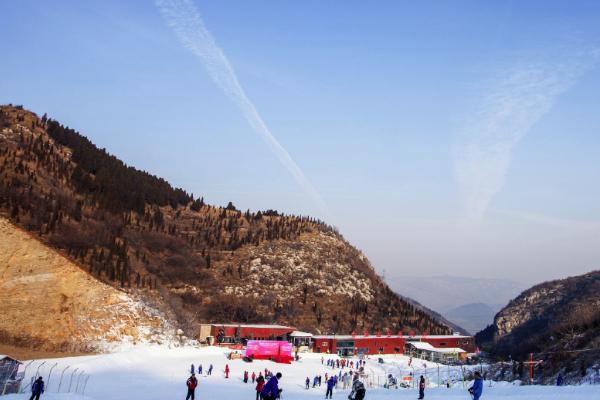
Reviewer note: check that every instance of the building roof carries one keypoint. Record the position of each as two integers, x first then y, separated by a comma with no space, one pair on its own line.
421,346
301,334
264,326
3,356
406,337
419,337
348,337
428,347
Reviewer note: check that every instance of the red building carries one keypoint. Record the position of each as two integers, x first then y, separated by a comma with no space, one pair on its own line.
384,344
240,333
346,345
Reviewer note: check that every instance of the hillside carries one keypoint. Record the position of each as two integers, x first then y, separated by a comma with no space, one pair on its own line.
199,262
555,320
49,303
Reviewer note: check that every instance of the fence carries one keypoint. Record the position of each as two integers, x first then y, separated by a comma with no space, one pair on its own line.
436,376
57,378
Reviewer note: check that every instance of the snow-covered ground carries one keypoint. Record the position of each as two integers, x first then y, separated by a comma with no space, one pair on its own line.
158,372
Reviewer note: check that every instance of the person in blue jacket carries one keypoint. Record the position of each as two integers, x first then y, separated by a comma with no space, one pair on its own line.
330,385
477,388
559,380
37,389
271,390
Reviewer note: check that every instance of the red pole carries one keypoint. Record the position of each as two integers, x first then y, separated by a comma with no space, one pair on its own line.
531,368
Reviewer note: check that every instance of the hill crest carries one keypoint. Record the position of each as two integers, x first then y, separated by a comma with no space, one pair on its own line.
135,232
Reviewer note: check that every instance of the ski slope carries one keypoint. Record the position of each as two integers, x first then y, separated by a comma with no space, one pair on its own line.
158,372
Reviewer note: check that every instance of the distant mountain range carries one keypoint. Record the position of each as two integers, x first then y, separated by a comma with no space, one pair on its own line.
468,302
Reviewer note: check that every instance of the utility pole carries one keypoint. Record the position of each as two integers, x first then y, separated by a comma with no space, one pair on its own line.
531,368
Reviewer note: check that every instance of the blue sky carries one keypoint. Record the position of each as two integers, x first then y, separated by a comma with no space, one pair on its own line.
454,137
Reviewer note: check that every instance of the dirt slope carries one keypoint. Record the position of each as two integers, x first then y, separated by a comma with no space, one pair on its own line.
50,303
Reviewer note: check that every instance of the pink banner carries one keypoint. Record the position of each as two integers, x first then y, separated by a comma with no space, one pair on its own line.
267,349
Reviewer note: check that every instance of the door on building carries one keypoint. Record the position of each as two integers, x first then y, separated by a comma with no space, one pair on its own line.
345,347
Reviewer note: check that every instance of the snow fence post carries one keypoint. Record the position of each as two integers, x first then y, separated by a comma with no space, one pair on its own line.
85,384
61,378
38,369
71,380
24,372
49,376
78,378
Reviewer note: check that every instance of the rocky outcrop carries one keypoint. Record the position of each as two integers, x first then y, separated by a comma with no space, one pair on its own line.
559,321
50,303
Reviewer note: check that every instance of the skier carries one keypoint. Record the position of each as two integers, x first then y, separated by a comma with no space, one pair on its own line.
308,382
358,390
330,385
559,380
260,383
226,371
245,376
199,369
209,372
191,383
421,387
253,376
271,389
477,388
322,359
320,380
37,389
192,369
315,381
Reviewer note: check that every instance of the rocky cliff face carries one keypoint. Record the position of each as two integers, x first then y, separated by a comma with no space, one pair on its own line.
555,320
50,303
199,263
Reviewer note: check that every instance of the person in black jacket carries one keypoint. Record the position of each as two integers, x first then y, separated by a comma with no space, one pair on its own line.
37,389
421,387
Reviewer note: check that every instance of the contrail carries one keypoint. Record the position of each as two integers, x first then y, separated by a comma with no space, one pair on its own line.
516,100
184,18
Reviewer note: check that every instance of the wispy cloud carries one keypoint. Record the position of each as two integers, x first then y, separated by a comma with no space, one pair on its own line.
514,102
184,18
565,224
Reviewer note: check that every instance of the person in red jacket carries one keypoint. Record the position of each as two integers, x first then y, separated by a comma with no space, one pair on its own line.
253,376
245,376
191,383
260,383
226,371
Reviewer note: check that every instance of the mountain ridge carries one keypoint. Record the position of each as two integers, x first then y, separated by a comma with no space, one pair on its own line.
133,231
558,321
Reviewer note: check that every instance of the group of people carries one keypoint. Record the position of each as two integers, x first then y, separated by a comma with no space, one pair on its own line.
267,386
358,388
269,390
342,363
332,381
208,371
475,390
